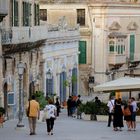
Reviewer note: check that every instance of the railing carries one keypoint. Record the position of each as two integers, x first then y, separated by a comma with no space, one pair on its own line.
17,35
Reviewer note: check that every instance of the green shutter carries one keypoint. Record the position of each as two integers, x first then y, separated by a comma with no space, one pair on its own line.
15,13
122,49
119,49
26,14
36,13
82,55
23,6
132,47
111,48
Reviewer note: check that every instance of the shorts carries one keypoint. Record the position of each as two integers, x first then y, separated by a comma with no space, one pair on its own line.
134,116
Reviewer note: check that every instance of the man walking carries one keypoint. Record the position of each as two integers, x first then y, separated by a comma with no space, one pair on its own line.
135,109
34,113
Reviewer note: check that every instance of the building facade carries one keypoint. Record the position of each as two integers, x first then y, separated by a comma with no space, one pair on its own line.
109,37
24,40
60,58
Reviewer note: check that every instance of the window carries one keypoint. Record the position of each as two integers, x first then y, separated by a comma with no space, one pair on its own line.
119,49
36,14
132,46
111,46
43,14
10,98
82,49
81,17
14,13
26,14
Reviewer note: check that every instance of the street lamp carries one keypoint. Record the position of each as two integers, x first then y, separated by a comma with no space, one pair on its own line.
48,82
49,74
20,67
69,82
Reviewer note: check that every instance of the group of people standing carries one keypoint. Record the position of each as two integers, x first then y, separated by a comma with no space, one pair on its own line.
72,104
119,112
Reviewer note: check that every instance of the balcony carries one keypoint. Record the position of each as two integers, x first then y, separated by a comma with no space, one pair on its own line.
18,35
136,57
116,59
3,9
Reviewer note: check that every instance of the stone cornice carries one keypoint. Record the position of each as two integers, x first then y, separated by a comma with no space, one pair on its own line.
62,40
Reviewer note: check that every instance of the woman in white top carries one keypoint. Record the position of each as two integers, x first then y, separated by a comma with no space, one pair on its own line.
50,116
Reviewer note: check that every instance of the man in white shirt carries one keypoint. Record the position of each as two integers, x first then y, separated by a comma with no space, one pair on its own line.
135,109
110,105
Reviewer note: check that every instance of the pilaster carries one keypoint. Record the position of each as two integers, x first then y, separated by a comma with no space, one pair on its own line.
1,75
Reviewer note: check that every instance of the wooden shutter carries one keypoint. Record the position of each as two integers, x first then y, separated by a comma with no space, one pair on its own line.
82,55
132,47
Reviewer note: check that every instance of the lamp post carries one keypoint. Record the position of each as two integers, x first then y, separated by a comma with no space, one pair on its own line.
69,84
48,82
20,67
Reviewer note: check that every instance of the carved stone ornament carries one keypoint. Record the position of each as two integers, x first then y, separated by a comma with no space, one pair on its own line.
132,26
62,24
115,26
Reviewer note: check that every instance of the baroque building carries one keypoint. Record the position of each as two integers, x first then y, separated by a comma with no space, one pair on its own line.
41,49
109,36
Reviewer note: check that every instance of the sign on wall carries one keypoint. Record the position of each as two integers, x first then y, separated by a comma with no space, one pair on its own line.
10,98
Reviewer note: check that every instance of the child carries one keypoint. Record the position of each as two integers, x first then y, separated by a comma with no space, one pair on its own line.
1,120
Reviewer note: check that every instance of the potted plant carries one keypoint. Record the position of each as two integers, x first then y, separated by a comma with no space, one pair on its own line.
2,110
92,111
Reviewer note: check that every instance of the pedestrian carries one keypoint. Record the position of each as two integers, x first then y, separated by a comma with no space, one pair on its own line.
69,106
50,110
118,115
1,120
127,112
135,109
34,113
97,101
110,105
78,103
57,104
73,106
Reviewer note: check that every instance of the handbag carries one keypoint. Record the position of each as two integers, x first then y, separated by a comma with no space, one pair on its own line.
46,115
126,112
112,111
28,110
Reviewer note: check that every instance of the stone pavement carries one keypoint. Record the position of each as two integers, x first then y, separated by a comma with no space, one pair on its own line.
67,128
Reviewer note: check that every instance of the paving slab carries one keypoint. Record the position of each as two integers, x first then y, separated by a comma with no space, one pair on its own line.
68,128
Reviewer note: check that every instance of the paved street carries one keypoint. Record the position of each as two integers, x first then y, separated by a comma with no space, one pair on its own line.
67,128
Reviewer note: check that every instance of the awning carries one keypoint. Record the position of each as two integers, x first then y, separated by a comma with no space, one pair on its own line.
121,84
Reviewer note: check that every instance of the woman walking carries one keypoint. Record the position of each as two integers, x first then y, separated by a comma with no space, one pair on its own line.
50,116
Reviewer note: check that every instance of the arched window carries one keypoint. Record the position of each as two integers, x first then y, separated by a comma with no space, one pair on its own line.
111,46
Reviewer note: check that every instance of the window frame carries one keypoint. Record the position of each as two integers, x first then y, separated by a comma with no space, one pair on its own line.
81,17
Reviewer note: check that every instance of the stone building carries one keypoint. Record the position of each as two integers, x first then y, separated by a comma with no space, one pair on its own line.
109,36
37,46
